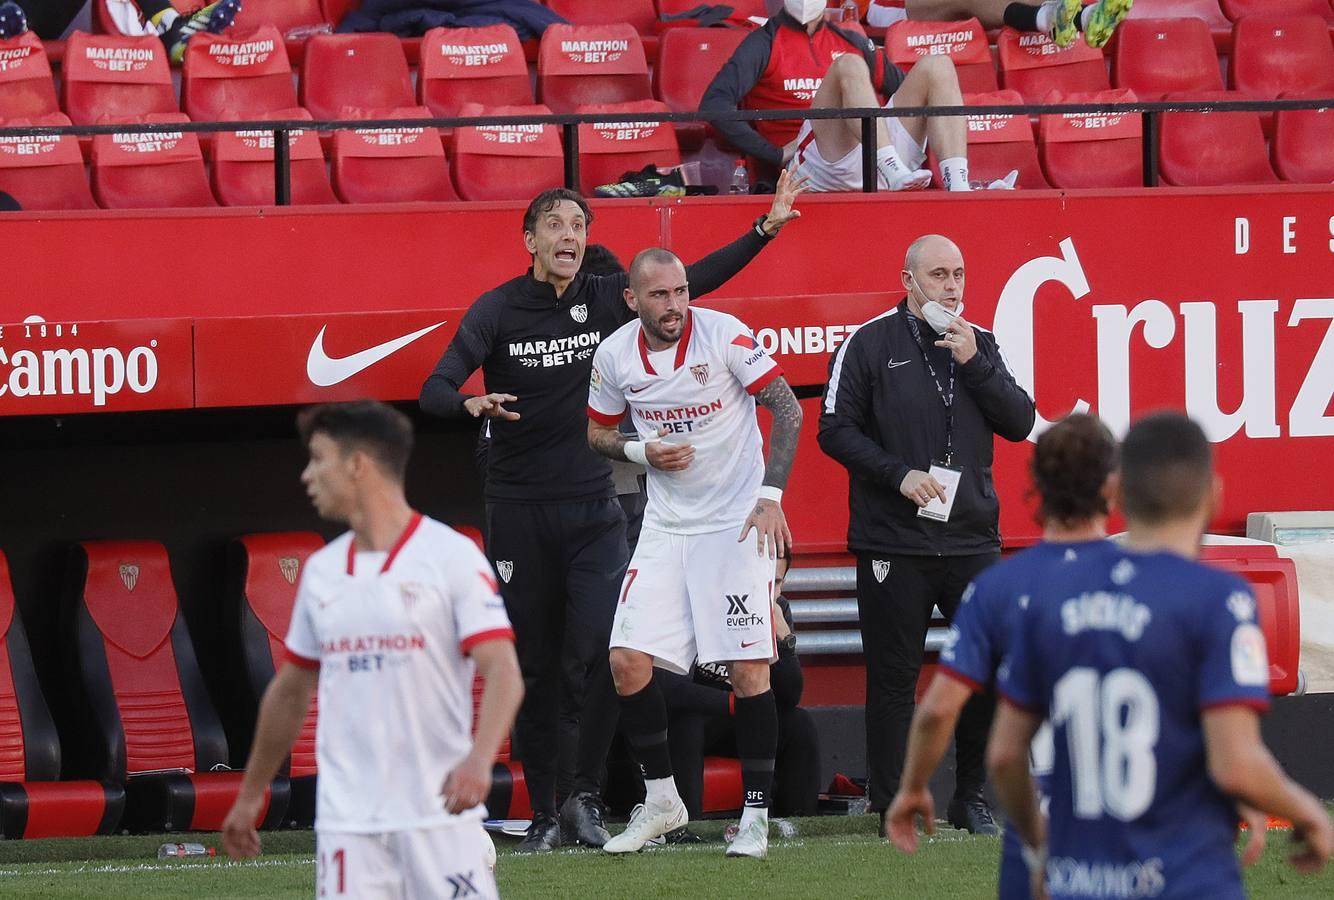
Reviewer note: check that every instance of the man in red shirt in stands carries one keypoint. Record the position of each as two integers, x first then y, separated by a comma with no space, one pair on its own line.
797,61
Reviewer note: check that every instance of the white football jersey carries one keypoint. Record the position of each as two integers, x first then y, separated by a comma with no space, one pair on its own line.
703,390
390,633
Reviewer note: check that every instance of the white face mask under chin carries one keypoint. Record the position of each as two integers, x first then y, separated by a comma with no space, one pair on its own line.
804,11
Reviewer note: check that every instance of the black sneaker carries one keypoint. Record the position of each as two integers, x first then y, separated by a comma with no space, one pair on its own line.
581,820
682,835
972,814
647,182
13,20
543,835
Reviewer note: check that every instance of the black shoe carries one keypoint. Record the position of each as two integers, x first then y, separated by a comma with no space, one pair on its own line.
682,835
543,835
884,821
971,814
581,820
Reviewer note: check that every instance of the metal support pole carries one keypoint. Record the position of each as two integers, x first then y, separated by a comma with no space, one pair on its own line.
869,148
571,156
282,169
1150,141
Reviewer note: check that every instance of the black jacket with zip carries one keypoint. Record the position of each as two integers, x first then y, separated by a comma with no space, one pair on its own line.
883,416
539,347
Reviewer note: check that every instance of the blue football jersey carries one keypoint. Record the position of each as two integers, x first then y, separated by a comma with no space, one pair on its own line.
1122,655
978,640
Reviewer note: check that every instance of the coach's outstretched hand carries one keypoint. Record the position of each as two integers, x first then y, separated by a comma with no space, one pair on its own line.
771,531
239,837
785,195
491,405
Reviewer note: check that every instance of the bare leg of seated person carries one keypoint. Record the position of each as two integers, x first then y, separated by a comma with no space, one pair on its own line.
933,82
1062,19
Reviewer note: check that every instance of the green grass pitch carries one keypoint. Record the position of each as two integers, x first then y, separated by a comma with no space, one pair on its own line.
828,858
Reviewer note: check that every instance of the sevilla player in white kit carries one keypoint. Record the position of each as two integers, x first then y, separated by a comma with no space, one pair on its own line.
391,619
699,586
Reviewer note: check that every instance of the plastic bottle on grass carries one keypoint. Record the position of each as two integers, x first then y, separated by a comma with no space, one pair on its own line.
740,179
171,851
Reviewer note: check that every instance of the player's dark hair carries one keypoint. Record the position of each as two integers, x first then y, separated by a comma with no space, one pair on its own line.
599,260
1070,466
548,200
1166,468
647,257
383,432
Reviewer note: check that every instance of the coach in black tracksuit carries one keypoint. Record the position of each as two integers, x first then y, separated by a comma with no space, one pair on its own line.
902,397
553,527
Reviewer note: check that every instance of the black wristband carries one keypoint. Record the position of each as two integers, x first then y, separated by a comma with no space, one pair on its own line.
759,229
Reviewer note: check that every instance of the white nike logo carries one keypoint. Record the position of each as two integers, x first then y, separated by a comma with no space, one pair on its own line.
894,364
325,371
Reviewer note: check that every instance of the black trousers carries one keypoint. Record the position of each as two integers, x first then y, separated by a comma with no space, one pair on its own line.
560,567
895,594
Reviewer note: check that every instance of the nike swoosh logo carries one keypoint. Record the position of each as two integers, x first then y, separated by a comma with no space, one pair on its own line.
326,371
746,645
637,390
894,364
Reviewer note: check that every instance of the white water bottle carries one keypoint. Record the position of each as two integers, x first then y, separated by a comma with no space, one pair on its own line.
740,179
171,851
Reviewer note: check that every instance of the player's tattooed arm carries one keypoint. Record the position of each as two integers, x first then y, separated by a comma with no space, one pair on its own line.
607,440
777,397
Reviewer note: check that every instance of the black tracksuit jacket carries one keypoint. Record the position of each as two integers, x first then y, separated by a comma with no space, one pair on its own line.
882,416
538,347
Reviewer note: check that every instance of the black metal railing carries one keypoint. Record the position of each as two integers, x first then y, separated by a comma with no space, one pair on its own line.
569,124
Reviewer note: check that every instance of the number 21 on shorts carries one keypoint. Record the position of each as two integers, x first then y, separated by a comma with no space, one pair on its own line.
331,873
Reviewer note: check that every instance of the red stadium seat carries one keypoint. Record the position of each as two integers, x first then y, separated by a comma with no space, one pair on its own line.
1206,11
579,65
472,65
44,172
1273,581
243,166
362,71
1155,57
33,803
237,76
964,42
1092,151
507,162
139,170
1034,66
1236,10
609,150
115,78
1202,149
1302,142
263,572
998,145
640,14
688,60
283,15
392,165
1277,54
150,714
26,86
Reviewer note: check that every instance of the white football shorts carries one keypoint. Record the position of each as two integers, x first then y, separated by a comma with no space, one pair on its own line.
846,174
696,595
445,861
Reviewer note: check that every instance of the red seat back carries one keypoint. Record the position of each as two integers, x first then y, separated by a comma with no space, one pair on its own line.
1278,54
29,748
579,65
1207,11
506,162
392,165
607,150
1273,580
137,663
236,76
998,145
639,14
1203,149
268,568
964,42
1155,57
472,65
243,166
284,15
44,172
688,60
1237,10
139,170
366,71
26,86
1034,66
113,78
1092,151
1302,142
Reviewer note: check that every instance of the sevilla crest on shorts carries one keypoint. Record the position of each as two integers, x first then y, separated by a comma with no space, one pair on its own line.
579,313
506,569
701,373
880,568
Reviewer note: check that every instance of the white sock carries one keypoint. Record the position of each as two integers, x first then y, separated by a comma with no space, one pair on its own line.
753,813
888,164
954,173
1047,16
661,792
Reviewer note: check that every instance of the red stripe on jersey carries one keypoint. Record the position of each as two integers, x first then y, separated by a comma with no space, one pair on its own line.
682,344
297,659
393,551
643,353
481,637
958,676
744,341
764,380
1255,703
490,582
605,418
